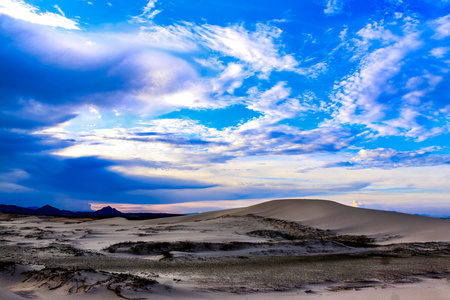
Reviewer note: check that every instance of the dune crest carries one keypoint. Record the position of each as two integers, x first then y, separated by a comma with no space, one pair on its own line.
384,226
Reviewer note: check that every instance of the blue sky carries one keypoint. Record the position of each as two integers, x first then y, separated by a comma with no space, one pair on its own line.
188,106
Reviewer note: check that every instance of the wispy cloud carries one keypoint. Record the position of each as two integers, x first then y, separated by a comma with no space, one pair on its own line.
441,27
334,6
440,52
259,49
361,90
148,12
59,10
184,142
361,98
18,9
278,104
391,158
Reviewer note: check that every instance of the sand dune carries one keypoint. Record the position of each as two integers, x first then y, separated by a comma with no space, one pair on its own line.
385,226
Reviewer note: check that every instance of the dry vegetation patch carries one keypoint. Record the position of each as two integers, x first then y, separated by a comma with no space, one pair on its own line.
292,231
146,248
83,280
277,272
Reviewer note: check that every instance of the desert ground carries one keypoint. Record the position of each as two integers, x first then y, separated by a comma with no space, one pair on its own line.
286,249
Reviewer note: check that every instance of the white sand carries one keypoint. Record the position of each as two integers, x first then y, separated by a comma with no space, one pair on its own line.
433,289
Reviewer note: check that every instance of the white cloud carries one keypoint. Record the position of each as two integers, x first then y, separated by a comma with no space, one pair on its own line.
441,27
18,9
414,82
162,83
446,111
398,15
150,5
188,143
257,52
212,62
230,79
412,108
334,7
275,102
184,128
391,158
173,37
370,96
357,95
375,32
415,96
59,10
315,70
258,49
440,52
70,50
148,12
343,34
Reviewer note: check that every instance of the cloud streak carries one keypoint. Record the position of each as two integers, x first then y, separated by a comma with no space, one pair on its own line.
22,11
390,158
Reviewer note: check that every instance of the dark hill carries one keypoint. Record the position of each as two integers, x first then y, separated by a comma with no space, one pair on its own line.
105,212
52,211
15,209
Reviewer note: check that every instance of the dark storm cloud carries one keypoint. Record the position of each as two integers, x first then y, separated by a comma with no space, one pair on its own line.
45,118
89,175
25,74
18,149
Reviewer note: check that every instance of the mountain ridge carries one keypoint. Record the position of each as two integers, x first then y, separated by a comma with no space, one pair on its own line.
105,212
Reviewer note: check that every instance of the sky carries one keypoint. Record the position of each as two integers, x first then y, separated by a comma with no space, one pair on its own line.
190,106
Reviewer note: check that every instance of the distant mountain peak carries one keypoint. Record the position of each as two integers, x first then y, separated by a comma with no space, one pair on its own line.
50,210
108,210
47,207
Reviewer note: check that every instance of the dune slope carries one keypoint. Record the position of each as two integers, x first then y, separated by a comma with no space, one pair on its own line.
385,226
